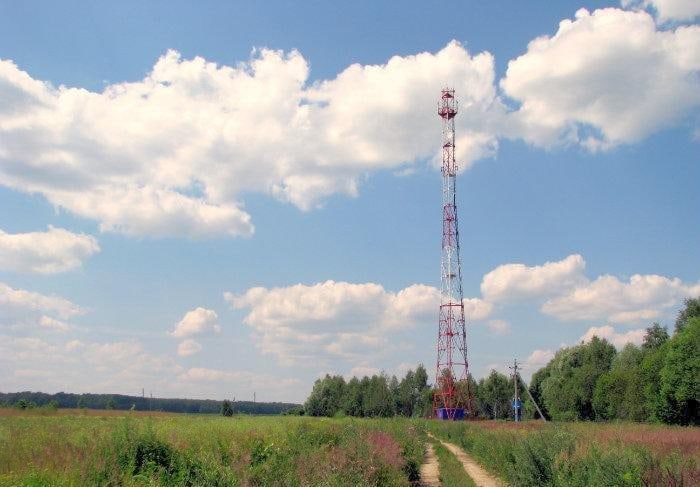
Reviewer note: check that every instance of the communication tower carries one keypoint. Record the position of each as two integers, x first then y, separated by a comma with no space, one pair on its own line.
453,396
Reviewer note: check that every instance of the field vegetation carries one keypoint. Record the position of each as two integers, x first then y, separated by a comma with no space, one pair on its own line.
580,454
40,448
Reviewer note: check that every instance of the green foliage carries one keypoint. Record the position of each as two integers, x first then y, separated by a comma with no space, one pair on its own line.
140,403
656,335
689,311
680,376
24,404
536,388
326,396
619,393
659,381
494,395
226,408
376,396
207,451
604,467
567,392
568,455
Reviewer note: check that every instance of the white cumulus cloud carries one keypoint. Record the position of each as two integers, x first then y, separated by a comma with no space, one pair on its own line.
668,9
197,321
20,306
336,319
171,154
643,297
188,347
509,282
50,252
539,358
499,327
54,324
618,339
604,78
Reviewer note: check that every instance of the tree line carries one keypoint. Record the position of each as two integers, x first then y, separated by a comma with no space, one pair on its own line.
658,381
27,400
376,396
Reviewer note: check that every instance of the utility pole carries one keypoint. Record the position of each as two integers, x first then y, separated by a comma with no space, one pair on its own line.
517,412
517,403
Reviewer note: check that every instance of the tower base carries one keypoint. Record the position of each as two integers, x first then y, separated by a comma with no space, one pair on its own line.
445,413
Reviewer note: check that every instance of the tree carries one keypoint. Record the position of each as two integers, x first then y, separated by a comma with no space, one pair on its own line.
494,395
568,391
423,393
690,310
226,408
111,404
655,336
619,393
679,392
327,396
352,402
406,395
536,388
377,401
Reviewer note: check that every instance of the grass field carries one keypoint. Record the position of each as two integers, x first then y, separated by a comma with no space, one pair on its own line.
580,454
166,449
74,447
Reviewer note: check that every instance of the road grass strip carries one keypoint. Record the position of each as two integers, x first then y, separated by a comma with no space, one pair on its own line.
452,474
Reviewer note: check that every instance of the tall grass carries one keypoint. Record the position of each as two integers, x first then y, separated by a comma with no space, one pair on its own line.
580,454
179,450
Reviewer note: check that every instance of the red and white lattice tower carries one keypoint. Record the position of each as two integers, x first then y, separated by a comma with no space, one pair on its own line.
453,397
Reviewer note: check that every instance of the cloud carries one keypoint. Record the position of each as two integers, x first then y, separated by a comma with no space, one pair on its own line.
609,298
19,306
363,371
54,324
173,153
195,322
116,367
336,319
124,367
668,9
50,252
499,327
188,347
476,309
239,381
567,294
618,339
539,358
517,281
603,79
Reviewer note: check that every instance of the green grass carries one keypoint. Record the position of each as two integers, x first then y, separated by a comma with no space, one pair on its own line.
181,450
452,473
580,454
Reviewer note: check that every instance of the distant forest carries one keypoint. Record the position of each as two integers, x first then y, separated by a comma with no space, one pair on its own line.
139,403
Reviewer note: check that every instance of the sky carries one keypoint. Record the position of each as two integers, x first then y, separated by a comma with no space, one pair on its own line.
215,199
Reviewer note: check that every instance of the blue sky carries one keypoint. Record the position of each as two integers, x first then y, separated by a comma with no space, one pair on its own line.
207,201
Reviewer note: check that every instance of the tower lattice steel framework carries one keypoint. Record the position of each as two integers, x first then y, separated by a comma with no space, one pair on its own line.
453,396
